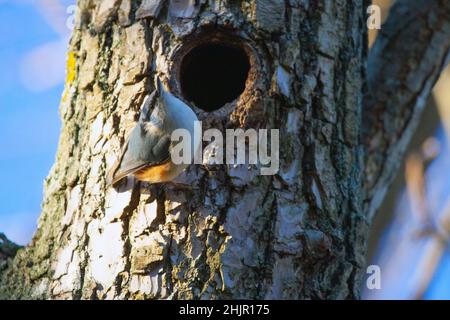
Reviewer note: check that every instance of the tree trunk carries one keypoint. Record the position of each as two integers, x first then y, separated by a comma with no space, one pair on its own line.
227,231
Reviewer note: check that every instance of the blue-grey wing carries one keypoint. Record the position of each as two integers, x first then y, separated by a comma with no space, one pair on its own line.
147,145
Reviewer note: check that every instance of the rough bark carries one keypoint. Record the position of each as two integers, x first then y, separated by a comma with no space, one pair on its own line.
228,232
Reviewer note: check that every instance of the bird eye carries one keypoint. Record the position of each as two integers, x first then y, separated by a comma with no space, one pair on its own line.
213,74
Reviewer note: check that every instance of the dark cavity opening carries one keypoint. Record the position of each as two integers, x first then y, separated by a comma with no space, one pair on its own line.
212,75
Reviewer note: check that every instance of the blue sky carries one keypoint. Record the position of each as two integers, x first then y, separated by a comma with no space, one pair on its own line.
400,252
32,62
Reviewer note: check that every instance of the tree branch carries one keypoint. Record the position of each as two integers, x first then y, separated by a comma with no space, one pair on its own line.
8,250
404,64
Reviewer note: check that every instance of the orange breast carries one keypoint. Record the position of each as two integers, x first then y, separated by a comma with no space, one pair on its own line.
164,172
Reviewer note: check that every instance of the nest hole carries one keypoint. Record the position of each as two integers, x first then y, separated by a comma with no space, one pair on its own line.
213,74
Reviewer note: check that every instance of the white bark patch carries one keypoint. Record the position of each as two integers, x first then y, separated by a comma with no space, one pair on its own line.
149,9
284,81
332,24
290,174
71,280
213,154
79,227
232,260
66,268
184,8
105,249
284,280
232,265
62,262
309,84
241,247
143,219
175,212
316,193
105,11
92,183
96,133
142,284
116,202
196,248
289,226
182,27
149,285
241,217
107,128
72,205
293,121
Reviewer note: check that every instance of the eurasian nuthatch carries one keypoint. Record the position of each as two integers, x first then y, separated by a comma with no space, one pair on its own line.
147,151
